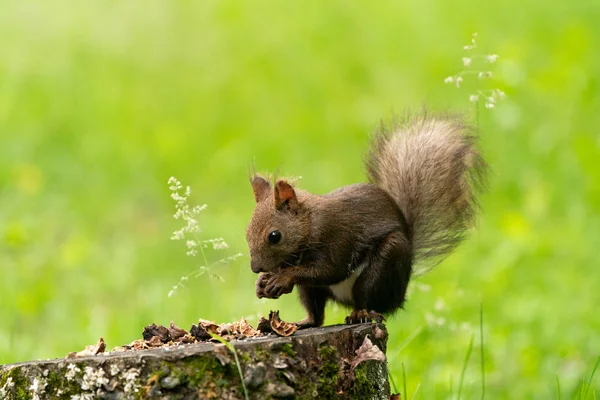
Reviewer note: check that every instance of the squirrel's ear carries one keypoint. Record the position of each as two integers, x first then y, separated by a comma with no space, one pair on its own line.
260,187
285,196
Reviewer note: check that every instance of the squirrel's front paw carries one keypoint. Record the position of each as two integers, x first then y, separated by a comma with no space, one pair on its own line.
272,286
261,283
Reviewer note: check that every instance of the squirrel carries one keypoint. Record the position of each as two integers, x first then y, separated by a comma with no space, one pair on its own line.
357,245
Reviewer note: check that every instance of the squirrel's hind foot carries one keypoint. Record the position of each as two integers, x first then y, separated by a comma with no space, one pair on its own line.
364,316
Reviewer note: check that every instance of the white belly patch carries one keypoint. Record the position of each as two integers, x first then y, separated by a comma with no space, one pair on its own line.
342,291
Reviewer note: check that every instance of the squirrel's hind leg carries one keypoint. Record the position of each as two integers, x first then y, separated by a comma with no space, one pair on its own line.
313,299
364,316
382,285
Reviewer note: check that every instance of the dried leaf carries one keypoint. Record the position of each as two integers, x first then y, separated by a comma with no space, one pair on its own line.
153,330
280,327
90,350
368,351
201,331
139,344
241,329
176,332
186,339
154,342
224,329
264,325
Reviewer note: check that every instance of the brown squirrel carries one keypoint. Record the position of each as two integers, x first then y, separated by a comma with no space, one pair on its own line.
357,244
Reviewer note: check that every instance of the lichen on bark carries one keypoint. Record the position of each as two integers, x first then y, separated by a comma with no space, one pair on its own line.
313,363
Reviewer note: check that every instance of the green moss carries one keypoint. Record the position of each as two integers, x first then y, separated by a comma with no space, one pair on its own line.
261,354
21,383
329,372
363,386
288,349
208,375
244,356
198,369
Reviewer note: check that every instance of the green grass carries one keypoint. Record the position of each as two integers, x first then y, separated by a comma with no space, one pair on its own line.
100,103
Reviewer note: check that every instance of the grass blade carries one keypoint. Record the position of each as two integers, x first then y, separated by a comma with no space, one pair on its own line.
404,396
237,361
558,386
391,378
589,383
464,369
414,396
482,359
405,343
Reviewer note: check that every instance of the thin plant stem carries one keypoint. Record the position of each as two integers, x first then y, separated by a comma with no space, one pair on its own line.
589,383
391,377
481,349
464,369
404,395
237,361
414,396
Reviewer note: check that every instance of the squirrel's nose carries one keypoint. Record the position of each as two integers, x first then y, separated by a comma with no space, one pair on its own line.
256,268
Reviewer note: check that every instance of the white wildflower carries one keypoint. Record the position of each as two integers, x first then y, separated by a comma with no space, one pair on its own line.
491,58
473,43
467,61
198,209
459,80
178,235
474,98
189,232
499,94
219,244
449,79
489,106
175,184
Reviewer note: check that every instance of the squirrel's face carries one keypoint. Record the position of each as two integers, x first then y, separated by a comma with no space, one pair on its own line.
278,227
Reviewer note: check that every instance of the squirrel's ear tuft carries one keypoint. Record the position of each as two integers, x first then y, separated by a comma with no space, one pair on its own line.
260,187
285,196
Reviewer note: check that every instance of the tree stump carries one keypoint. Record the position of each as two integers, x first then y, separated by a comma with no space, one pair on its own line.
342,361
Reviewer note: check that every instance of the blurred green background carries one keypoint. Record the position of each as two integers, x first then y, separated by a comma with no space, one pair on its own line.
102,101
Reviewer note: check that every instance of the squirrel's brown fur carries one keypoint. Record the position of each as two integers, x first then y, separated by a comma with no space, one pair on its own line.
357,244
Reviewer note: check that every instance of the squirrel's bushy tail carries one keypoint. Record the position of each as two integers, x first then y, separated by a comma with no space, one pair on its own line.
430,166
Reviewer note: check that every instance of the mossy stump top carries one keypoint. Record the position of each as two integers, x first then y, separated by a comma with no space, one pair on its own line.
342,361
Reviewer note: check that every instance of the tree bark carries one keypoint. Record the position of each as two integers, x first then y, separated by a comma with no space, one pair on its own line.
331,362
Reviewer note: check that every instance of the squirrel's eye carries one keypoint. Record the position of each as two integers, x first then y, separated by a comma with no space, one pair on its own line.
274,237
